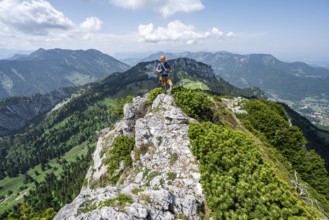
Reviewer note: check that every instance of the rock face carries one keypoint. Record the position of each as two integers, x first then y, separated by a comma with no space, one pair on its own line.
163,182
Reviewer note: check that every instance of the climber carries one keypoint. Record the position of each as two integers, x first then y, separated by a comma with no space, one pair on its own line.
163,68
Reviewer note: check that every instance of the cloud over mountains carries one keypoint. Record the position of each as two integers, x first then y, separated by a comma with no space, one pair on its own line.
176,31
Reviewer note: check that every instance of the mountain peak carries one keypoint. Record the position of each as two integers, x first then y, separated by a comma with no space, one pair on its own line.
163,179
38,52
189,66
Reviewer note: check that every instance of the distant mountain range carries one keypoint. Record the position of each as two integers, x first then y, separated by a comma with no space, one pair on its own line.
46,70
8,53
292,81
305,88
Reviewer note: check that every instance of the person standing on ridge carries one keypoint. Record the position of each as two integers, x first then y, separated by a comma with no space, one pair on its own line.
163,68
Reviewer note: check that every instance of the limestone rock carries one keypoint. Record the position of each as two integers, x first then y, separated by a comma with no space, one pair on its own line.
234,105
163,182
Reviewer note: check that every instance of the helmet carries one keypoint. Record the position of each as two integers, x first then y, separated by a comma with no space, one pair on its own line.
162,57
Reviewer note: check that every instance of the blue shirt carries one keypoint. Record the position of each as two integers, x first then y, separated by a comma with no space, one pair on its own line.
163,66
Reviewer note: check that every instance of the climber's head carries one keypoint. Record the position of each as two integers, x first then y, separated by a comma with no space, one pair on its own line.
163,58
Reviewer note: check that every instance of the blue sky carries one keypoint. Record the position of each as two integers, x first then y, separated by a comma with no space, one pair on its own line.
288,29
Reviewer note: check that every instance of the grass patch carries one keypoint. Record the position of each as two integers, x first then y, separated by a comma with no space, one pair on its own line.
87,206
151,176
171,176
79,150
137,190
173,158
190,84
120,201
120,151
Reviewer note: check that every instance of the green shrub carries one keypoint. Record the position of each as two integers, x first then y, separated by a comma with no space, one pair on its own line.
153,94
195,104
269,122
120,151
237,182
264,117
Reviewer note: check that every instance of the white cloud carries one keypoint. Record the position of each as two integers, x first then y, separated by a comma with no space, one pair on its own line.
32,16
91,24
30,24
164,7
176,31
231,34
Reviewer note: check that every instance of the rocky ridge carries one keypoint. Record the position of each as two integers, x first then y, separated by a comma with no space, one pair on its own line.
163,182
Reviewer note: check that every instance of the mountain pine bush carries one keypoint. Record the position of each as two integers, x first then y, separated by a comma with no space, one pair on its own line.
237,182
268,119
195,104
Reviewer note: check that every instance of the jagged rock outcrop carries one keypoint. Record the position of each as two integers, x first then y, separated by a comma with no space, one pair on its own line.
163,182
